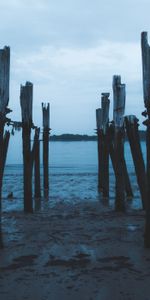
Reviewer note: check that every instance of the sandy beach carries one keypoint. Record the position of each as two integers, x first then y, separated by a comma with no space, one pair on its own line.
80,251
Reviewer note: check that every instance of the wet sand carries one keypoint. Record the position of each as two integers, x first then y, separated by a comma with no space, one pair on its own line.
80,251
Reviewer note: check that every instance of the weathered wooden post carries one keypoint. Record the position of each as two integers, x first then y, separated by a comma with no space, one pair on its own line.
46,130
128,187
5,148
37,191
146,92
118,112
100,147
131,124
105,103
26,100
4,100
1,176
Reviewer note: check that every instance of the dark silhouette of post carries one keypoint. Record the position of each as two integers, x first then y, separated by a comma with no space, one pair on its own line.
118,113
146,93
26,100
6,139
128,186
46,130
100,147
2,123
4,100
105,103
131,124
37,182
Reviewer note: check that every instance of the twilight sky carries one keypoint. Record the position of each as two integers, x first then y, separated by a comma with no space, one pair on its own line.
70,49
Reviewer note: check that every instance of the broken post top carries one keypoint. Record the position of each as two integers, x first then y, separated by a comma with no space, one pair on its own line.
119,96
46,115
105,103
37,132
132,119
99,118
102,114
146,68
26,102
4,79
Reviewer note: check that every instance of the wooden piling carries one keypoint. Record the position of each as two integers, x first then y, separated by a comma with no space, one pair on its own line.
37,182
146,93
128,187
105,102
100,147
118,112
1,177
1,158
26,100
6,139
4,79
4,142
46,130
131,124
4,100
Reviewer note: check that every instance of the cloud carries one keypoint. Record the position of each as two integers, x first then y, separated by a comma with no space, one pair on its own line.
73,78
106,57
70,50
28,24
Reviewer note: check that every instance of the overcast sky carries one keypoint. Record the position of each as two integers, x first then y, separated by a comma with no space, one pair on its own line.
70,49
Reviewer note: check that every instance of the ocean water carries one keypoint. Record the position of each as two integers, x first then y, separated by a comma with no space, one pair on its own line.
72,176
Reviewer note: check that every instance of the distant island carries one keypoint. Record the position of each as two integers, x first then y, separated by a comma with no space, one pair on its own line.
67,137
73,137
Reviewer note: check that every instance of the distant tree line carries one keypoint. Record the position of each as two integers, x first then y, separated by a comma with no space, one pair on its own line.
84,137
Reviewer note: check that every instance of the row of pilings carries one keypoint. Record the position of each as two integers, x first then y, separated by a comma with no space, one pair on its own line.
111,138
31,154
31,150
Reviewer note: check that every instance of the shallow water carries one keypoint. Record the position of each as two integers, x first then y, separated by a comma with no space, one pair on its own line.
73,176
